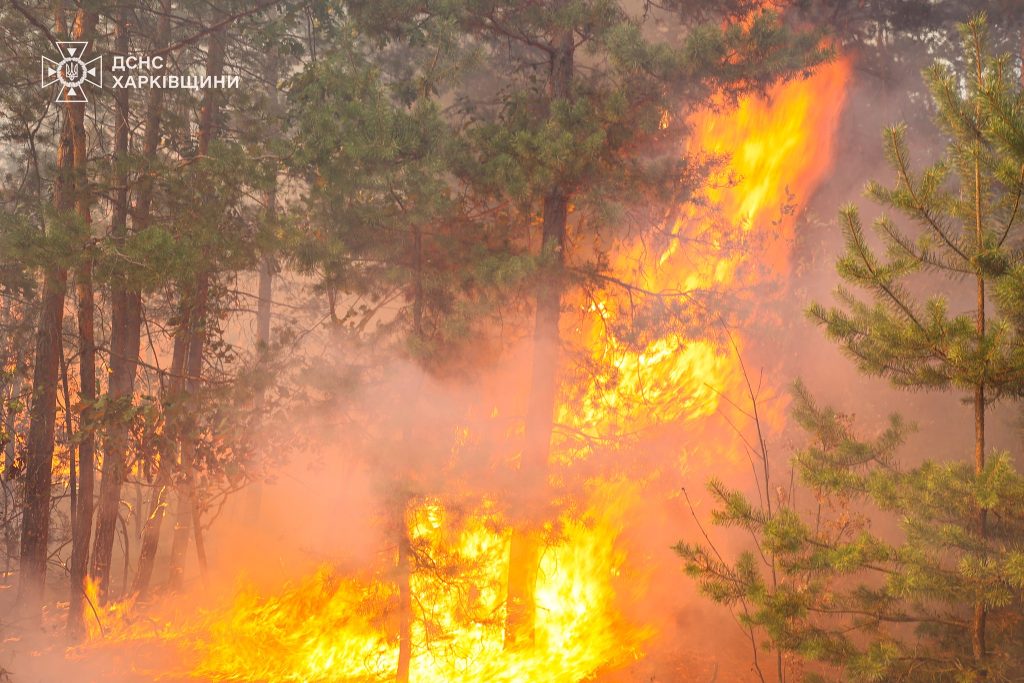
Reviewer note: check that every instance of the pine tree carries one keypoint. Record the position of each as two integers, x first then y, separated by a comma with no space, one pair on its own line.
387,229
564,126
70,198
26,200
125,338
943,601
969,232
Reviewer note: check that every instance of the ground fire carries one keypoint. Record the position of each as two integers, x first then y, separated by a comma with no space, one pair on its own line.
475,341
334,627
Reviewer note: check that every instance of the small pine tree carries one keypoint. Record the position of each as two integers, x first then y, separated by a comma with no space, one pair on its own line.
943,600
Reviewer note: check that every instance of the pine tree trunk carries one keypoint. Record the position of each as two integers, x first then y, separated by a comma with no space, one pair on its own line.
183,523
43,411
159,501
10,530
114,465
151,535
126,313
126,323
187,511
978,646
399,507
8,486
39,458
150,145
254,496
403,499
404,580
83,517
525,543
978,622
266,279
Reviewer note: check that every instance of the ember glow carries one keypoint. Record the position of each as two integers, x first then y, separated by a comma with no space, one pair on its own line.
330,627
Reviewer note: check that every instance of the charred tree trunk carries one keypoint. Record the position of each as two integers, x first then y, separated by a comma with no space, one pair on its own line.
523,552
151,535
43,411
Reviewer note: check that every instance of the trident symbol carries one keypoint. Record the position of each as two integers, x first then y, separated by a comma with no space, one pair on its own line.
72,72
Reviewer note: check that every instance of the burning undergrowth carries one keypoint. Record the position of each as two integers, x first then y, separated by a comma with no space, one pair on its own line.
433,600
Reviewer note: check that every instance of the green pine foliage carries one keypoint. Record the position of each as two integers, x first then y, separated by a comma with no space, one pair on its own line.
965,218
882,577
846,597
436,119
386,227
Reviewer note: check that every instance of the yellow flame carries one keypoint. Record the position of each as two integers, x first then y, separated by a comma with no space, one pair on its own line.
780,150
103,618
329,628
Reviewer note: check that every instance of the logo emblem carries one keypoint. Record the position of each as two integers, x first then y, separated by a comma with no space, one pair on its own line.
72,72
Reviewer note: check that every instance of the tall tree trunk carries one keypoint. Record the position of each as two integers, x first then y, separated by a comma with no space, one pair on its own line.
266,275
39,460
126,323
111,470
7,483
400,506
525,543
43,411
404,580
8,391
82,518
978,645
188,509
159,502
184,523
254,496
123,352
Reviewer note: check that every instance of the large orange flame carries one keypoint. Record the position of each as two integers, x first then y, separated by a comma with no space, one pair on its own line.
780,149
327,628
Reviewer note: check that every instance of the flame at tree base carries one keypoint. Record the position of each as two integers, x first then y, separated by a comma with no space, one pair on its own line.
331,628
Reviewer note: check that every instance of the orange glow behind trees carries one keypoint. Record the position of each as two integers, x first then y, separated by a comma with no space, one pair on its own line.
326,627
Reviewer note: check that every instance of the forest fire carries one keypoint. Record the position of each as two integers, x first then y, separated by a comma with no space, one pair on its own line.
449,341
779,150
328,627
